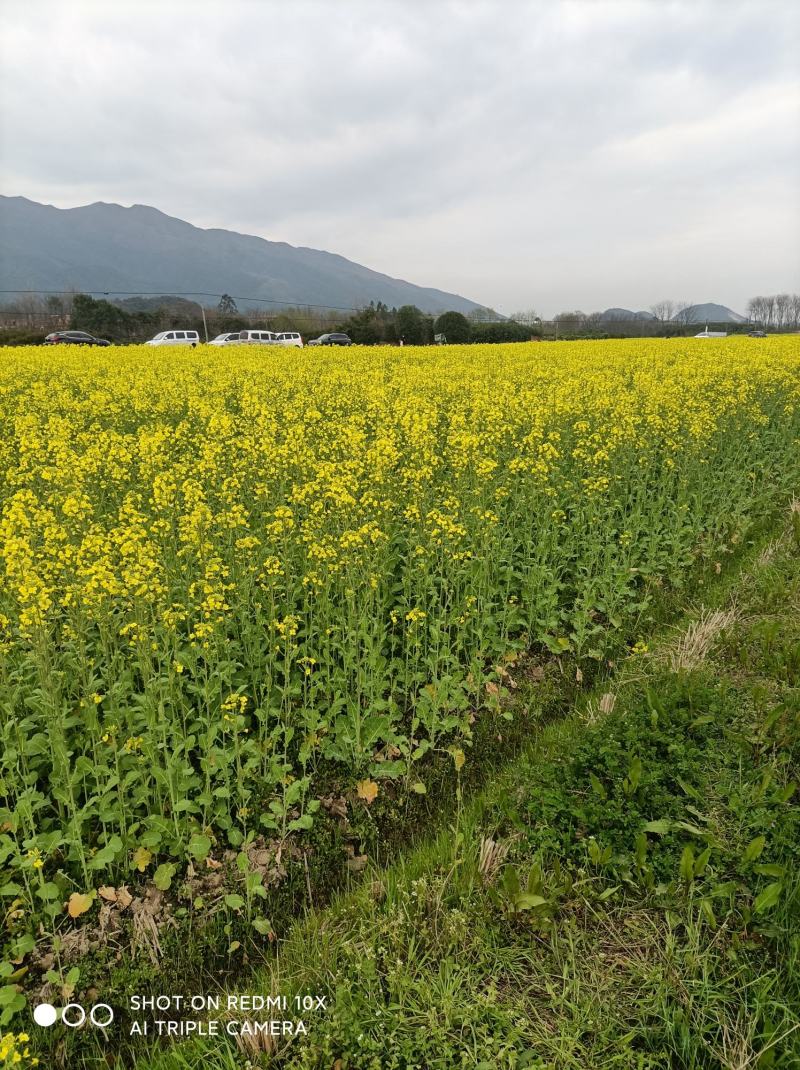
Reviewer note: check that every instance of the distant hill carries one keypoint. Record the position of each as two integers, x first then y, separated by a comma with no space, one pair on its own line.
709,313
105,247
618,315
181,305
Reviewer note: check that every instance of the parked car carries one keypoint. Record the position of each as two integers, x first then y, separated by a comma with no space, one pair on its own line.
712,334
336,338
226,339
263,338
74,338
175,338
289,338
756,334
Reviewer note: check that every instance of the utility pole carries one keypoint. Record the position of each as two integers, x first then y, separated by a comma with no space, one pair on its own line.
205,325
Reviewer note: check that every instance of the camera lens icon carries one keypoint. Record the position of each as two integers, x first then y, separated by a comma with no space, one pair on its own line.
45,1014
73,1015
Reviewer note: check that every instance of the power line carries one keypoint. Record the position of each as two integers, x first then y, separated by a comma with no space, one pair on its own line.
286,303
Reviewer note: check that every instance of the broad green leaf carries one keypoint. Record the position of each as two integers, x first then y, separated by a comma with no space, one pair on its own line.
199,846
687,864
528,901
597,786
785,794
9,994
658,828
707,910
702,862
768,898
754,849
693,830
305,821
770,869
162,878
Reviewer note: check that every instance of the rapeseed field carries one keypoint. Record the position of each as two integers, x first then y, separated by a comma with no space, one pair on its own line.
227,574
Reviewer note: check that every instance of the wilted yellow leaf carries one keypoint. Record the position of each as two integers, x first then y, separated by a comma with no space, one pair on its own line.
124,897
108,893
78,904
142,858
458,758
367,790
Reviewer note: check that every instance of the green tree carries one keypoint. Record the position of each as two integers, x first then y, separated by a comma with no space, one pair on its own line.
413,326
454,326
99,317
230,323
105,320
227,306
374,325
502,331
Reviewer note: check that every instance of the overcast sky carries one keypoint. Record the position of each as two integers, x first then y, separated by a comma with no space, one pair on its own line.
547,155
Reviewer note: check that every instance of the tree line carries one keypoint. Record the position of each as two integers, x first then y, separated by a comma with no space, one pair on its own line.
378,324
780,312
136,319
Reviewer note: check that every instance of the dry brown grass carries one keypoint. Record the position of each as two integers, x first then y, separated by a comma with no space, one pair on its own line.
596,709
694,646
492,855
772,550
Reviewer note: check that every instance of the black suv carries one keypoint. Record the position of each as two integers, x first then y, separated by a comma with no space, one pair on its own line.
335,339
75,338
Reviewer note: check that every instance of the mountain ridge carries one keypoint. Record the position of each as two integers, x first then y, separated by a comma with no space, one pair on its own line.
624,314
140,248
711,312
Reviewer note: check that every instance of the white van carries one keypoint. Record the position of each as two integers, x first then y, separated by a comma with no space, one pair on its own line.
229,338
290,338
175,338
260,338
